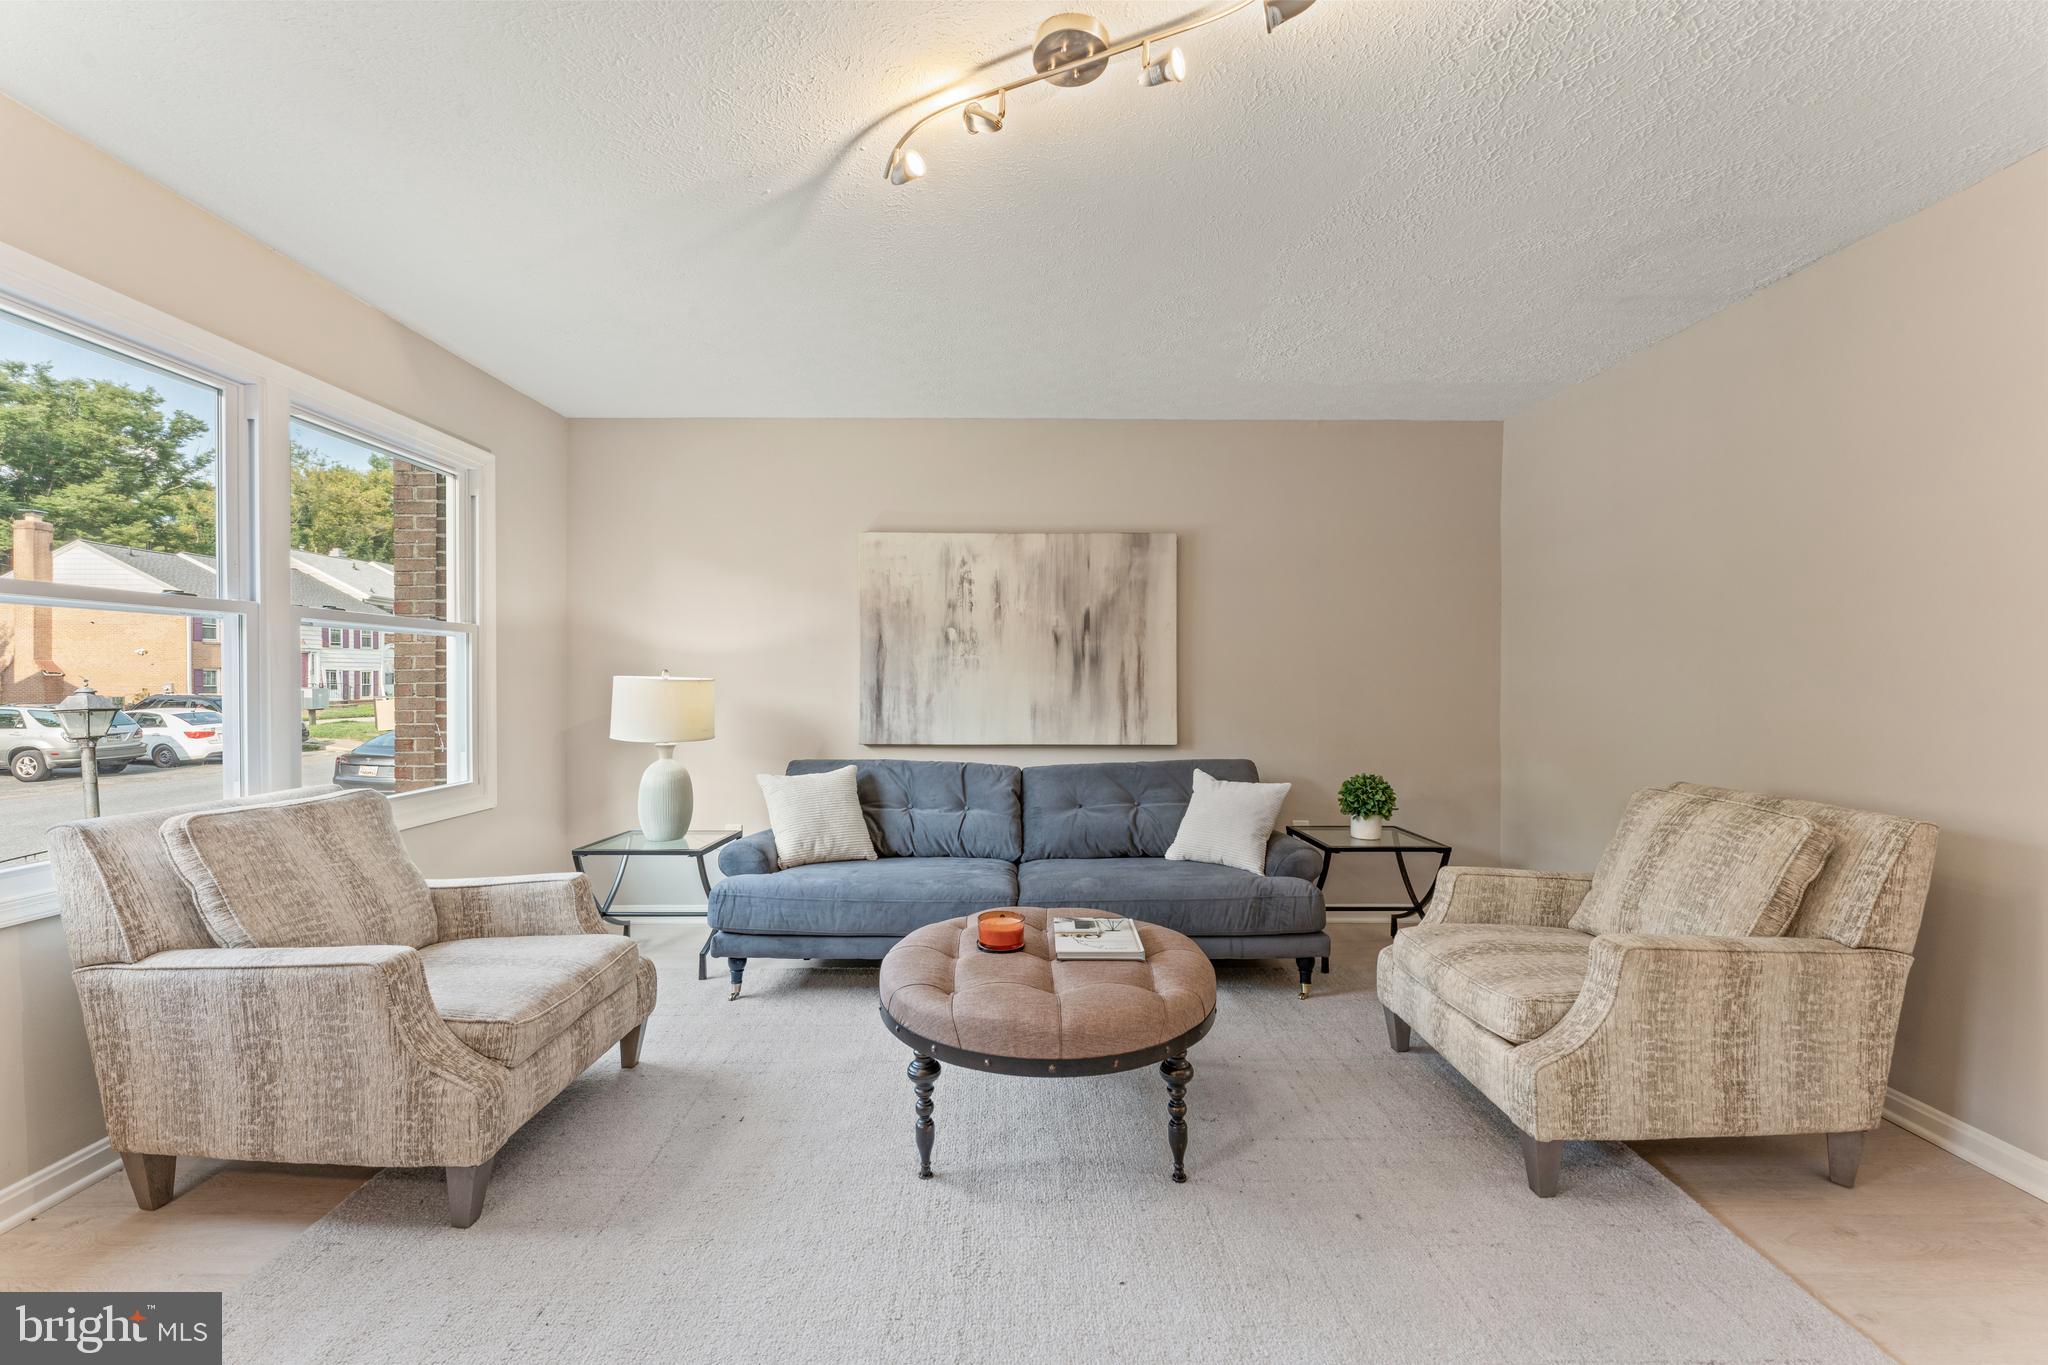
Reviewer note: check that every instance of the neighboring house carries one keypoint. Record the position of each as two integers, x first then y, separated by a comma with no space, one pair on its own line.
45,652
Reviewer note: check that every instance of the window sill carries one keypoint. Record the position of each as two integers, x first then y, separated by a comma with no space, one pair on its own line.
27,893
413,809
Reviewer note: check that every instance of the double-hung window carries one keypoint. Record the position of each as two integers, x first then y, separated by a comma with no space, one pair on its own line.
182,519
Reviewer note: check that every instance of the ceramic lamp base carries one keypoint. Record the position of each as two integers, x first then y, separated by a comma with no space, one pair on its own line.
667,800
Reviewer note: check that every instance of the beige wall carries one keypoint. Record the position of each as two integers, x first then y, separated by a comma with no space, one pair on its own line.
1801,547
78,208
1339,591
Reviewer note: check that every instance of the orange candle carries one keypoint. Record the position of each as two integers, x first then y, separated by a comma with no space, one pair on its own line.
1002,931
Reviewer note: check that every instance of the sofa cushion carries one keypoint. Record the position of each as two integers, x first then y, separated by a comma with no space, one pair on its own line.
321,873
1870,891
504,998
816,818
1230,823
1204,900
891,896
918,808
1681,863
1513,980
1114,810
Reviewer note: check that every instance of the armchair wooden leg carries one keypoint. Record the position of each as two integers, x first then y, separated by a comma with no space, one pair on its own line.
150,1177
466,1186
1397,1030
1541,1159
629,1048
1845,1153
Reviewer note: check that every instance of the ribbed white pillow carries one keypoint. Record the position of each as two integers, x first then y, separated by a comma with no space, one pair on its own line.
816,818
1229,822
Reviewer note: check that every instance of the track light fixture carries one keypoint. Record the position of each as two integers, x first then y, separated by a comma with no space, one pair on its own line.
905,165
1279,12
1074,49
980,120
1172,67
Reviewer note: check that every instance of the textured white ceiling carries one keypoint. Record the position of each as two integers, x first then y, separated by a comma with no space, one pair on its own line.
1381,210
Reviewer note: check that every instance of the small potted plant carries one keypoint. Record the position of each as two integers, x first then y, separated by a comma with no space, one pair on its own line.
1368,800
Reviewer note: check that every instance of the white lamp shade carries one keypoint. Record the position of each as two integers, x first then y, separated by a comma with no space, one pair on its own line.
661,710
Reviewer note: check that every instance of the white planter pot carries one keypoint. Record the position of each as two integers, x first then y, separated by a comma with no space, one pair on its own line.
1367,826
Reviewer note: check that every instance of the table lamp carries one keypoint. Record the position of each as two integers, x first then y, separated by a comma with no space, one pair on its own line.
664,712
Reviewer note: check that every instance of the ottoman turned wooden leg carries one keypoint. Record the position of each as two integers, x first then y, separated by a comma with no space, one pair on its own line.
1178,1072
924,1073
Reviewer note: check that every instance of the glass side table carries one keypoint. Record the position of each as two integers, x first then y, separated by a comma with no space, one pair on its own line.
698,844
1331,840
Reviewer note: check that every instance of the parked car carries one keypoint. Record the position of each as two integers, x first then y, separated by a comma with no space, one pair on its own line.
372,764
191,701
173,737
35,744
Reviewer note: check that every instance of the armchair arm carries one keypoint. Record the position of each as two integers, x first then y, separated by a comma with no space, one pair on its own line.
507,907
1287,856
287,1054
1691,1036
755,853
1506,895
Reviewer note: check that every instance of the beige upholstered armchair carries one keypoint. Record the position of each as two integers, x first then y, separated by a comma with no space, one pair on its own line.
1735,967
273,980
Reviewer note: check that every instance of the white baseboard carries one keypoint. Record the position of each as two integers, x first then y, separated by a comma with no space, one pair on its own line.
59,1180
1994,1154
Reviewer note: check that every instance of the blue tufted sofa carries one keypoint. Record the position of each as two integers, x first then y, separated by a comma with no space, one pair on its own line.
956,838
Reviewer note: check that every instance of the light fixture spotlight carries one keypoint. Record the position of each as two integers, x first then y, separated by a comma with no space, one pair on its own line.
980,120
1279,12
1172,67
905,165
1072,50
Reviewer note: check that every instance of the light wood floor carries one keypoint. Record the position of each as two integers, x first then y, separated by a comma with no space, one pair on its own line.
1930,1257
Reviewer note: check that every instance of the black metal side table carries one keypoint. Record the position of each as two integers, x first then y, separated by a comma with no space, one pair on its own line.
698,844
1334,839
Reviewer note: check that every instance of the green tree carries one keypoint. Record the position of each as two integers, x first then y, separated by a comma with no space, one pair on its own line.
103,461
337,507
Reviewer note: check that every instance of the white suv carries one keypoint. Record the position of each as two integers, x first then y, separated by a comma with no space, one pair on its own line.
34,743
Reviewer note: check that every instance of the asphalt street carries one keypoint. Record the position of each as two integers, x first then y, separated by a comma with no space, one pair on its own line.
29,808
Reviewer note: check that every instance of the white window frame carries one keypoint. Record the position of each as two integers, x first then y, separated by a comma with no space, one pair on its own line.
259,633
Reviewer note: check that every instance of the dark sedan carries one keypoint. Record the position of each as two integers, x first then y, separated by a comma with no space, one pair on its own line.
372,764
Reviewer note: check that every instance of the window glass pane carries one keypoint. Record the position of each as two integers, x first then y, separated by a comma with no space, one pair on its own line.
369,527
100,450
382,715
154,666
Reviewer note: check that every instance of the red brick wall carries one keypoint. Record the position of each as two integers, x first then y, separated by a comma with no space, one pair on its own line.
419,563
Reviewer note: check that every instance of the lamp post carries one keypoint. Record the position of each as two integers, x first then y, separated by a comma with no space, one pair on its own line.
86,717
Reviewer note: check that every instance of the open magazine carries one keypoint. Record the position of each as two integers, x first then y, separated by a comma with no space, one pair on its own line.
1095,938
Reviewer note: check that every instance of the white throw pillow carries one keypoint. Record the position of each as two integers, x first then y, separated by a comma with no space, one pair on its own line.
1229,822
816,818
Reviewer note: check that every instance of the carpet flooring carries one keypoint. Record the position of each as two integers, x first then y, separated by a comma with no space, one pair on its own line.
749,1193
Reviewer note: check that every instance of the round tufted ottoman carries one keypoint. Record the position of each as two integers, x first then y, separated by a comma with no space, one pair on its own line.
1025,1014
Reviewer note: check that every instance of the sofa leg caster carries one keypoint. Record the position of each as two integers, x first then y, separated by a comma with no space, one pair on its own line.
629,1048
1307,967
1397,1030
1542,1160
466,1186
1845,1153
735,968
150,1177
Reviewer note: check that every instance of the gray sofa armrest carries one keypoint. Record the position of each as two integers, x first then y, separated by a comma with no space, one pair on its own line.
755,853
1287,856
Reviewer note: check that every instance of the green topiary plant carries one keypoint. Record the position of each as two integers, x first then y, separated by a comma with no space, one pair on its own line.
1365,795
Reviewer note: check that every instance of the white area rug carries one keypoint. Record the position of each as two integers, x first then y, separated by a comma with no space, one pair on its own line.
749,1193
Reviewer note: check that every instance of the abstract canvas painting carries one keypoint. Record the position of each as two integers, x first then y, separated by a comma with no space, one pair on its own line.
1018,638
